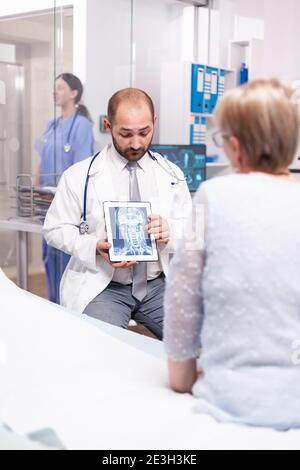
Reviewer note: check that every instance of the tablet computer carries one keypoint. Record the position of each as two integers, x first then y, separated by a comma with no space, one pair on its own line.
125,226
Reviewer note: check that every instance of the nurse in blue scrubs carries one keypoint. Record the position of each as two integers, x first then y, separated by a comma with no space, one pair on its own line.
67,139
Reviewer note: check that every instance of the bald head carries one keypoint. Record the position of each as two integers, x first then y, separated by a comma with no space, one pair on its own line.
131,121
129,98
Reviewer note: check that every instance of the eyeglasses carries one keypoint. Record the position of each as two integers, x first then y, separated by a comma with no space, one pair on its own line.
219,138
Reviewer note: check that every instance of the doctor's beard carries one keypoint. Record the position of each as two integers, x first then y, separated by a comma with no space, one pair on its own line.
132,155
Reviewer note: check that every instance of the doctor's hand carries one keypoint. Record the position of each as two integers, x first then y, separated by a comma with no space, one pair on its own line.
102,249
158,227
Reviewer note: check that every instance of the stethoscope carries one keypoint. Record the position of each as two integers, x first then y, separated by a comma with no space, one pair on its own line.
84,227
67,146
170,171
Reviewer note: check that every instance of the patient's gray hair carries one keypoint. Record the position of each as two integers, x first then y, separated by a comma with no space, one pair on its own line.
265,120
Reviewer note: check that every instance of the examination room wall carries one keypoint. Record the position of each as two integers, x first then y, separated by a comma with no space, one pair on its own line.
149,34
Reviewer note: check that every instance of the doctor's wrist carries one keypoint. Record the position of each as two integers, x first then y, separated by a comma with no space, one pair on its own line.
102,246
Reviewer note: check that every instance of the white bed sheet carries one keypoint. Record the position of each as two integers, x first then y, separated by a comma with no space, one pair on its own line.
95,391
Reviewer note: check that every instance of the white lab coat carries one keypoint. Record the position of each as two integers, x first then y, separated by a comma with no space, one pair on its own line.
88,274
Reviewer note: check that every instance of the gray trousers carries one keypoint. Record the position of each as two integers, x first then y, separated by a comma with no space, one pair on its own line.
116,305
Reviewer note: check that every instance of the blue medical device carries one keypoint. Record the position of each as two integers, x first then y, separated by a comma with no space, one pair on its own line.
244,74
191,159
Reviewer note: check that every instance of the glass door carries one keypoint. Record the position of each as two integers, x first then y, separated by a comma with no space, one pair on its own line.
11,133
34,48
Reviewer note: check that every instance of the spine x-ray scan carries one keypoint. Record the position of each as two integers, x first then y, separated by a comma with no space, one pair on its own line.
125,225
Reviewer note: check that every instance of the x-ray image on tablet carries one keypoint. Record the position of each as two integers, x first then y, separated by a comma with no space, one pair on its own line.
125,225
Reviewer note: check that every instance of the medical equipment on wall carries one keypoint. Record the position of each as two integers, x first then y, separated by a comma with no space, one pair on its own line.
167,168
84,226
191,159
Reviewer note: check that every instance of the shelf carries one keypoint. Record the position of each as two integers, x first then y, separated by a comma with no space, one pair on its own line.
217,165
241,43
250,52
206,115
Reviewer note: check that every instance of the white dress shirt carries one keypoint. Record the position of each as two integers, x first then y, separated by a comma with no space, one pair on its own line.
148,188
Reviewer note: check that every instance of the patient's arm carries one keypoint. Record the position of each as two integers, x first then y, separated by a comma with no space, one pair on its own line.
182,375
183,314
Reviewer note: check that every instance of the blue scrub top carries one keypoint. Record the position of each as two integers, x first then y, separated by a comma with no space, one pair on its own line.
54,159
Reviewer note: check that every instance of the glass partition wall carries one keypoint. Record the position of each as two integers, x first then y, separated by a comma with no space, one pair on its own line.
34,47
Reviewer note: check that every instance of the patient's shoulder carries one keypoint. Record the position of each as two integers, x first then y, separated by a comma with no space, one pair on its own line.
221,183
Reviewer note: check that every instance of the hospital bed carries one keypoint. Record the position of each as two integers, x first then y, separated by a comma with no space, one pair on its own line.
69,382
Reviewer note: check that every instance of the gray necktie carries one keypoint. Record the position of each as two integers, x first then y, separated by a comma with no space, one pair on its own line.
139,281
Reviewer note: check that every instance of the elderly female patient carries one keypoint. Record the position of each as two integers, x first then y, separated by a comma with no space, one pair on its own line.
240,294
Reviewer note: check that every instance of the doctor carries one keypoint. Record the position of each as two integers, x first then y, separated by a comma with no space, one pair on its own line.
123,171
